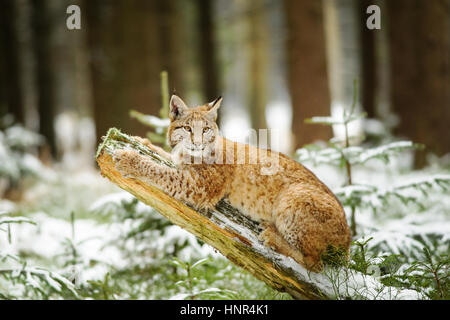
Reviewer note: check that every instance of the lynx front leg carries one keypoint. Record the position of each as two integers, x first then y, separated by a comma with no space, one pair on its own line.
272,239
154,148
131,164
176,183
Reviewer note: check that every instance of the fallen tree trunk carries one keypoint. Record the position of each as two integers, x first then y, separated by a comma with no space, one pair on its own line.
236,237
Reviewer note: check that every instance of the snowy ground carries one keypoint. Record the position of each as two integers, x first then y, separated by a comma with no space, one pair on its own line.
100,232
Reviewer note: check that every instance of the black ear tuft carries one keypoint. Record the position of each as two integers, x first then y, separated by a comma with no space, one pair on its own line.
177,107
215,101
213,107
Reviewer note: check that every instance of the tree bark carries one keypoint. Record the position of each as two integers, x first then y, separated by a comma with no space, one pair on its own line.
258,61
131,42
419,43
307,72
208,50
368,60
231,233
13,89
43,20
125,62
170,45
3,77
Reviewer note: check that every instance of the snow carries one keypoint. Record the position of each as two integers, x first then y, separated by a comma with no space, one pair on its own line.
183,296
383,150
349,191
111,200
13,219
351,283
354,154
20,137
343,283
175,234
157,122
393,229
46,239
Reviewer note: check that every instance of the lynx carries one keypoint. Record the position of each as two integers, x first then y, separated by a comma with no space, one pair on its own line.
300,216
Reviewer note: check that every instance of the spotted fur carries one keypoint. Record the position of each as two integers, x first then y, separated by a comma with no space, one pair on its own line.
300,215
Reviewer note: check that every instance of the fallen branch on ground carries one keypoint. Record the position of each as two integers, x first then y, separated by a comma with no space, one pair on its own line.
236,237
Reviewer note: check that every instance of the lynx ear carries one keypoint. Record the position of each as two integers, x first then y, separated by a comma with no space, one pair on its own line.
177,107
213,107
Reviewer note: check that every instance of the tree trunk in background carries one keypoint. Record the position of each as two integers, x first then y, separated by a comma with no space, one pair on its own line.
257,80
3,64
207,50
368,60
171,50
3,82
42,26
130,43
123,43
307,73
73,74
419,42
11,78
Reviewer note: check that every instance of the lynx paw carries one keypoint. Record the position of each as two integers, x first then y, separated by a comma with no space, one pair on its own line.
268,239
272,239
144,141
126,162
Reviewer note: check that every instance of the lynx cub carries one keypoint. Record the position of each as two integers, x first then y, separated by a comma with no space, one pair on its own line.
301,217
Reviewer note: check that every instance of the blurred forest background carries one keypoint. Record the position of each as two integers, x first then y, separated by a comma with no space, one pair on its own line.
276,63
280,60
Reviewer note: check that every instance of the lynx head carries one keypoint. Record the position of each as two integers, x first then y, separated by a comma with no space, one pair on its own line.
193,131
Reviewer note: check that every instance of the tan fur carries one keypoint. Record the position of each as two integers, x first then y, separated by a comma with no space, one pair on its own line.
301,216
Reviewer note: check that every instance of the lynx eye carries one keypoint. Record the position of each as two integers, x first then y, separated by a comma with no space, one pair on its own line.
205,130
187,128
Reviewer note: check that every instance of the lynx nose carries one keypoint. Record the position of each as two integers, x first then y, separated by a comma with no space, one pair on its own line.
197,140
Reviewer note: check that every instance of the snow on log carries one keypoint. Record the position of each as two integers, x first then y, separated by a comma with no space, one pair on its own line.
236,237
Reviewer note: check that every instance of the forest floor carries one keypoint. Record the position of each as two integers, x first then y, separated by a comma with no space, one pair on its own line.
111,246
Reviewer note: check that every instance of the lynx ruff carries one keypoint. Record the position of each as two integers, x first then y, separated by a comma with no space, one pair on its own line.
300,216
